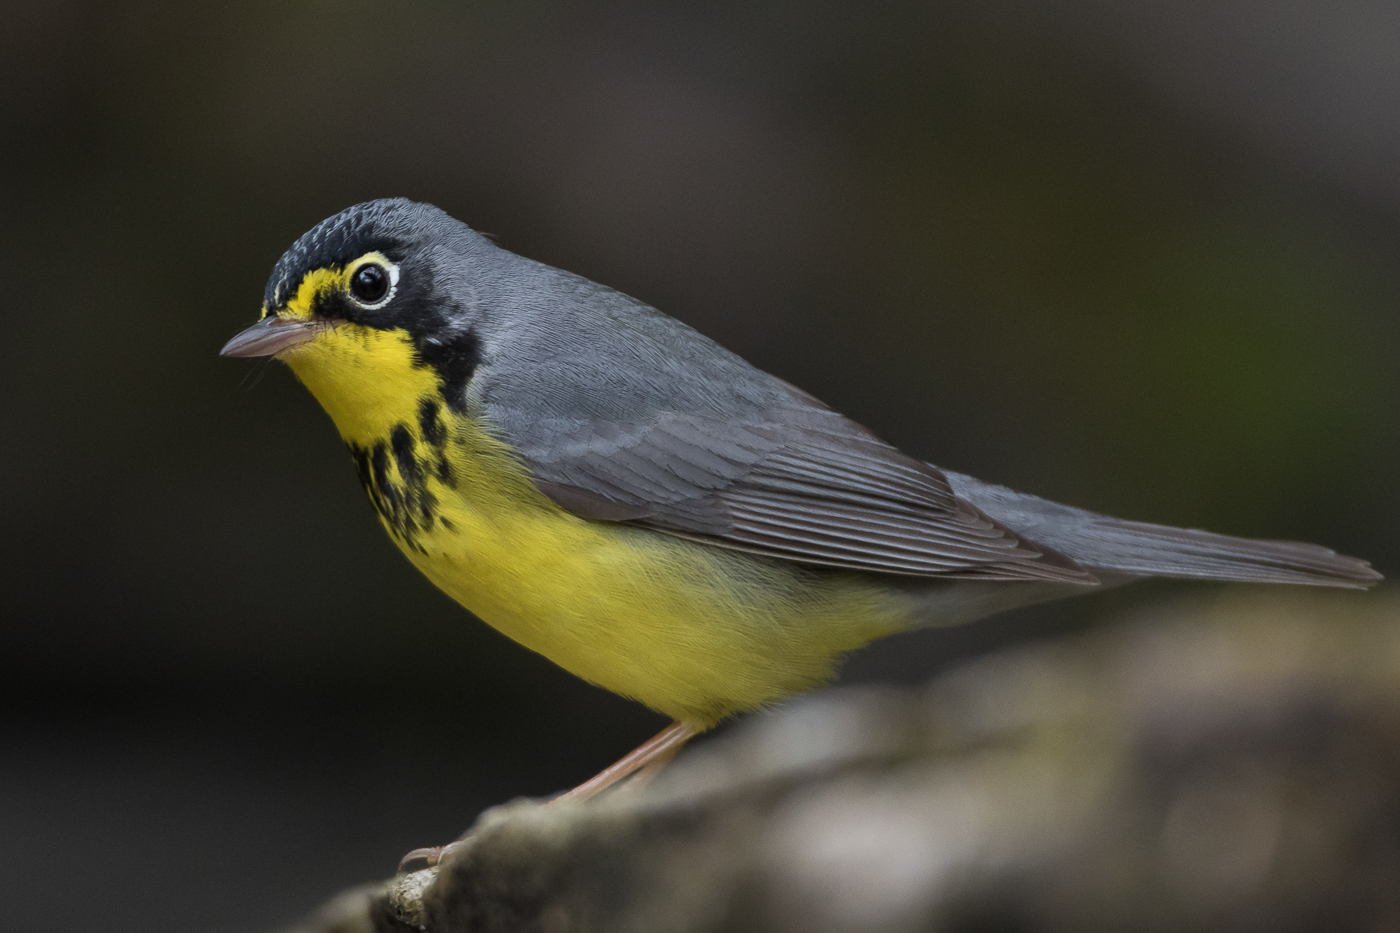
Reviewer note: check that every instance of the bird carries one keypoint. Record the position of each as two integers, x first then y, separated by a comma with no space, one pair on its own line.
621,494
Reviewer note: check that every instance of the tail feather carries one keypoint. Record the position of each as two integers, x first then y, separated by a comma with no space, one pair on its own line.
1101,542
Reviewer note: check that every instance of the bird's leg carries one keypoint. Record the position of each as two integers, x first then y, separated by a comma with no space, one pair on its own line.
648,772
649,757
642,764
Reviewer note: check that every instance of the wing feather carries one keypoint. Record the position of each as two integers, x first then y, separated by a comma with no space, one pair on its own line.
623,414
795,481
1105,543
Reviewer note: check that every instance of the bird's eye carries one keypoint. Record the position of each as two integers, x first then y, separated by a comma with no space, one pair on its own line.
370,283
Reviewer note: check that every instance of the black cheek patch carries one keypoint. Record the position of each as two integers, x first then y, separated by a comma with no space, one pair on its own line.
455,359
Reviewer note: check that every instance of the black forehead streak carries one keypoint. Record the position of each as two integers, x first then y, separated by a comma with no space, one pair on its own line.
332,243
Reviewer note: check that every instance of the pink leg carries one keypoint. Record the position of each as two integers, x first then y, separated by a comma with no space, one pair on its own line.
651,756
645,761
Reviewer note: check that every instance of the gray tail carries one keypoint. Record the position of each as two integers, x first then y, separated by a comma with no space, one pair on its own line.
1101,542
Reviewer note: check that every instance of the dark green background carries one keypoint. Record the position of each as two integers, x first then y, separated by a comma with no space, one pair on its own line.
1137,257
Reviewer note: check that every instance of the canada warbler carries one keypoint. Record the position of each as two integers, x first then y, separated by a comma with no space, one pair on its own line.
646,509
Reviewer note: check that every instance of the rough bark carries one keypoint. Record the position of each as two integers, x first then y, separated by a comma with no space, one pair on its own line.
1224,765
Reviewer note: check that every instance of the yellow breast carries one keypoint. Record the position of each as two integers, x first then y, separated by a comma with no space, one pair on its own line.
693,631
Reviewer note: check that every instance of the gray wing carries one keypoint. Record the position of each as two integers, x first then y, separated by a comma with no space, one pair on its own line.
623,414
1105,543
801,484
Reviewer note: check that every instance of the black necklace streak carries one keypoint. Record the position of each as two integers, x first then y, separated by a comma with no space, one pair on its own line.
395,474
396,471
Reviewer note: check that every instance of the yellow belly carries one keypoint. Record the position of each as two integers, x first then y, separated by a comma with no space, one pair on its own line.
693,631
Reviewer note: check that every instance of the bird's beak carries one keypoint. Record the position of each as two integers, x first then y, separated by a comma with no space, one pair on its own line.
271,336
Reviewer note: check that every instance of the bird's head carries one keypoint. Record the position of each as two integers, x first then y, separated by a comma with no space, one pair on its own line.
367,310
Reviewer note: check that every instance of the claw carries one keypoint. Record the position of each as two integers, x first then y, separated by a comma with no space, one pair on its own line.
430,854
640,766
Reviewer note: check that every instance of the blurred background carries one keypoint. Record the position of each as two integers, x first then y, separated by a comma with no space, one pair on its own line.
1141,258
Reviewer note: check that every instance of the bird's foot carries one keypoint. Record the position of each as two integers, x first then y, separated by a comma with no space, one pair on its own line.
641,765
429,855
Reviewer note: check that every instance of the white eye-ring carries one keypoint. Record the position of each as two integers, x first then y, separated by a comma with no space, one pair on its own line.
372,285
